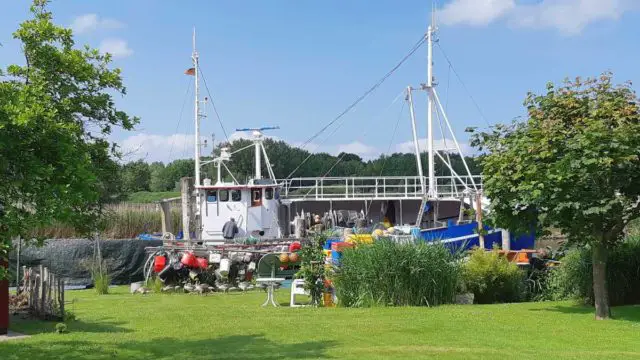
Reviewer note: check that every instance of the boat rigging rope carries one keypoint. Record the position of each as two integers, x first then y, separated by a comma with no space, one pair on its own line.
393,135
186,94
475,103
357,101
215,110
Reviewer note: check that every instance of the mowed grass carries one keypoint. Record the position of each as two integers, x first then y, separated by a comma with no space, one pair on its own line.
235,326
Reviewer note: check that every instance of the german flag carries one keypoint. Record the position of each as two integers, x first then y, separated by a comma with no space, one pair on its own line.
190,71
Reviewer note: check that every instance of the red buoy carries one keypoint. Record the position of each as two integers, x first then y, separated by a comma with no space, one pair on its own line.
189,260
159,263
202,263
295,246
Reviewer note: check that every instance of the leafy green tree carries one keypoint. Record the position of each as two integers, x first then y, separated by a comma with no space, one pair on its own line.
156,182
55,112
136,176
572,165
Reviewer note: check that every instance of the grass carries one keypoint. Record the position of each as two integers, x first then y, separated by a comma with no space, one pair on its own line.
142,197
234,326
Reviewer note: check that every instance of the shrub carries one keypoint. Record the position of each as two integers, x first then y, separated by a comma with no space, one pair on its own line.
61,328
155,284
573,279
389,274
492,278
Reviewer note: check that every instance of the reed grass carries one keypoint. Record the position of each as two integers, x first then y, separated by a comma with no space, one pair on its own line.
122,222
390,274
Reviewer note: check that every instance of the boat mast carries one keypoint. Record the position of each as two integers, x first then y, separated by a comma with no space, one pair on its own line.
432,192
196,69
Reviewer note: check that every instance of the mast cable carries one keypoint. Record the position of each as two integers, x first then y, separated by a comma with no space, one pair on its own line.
358,100
215,110
186,95
475,103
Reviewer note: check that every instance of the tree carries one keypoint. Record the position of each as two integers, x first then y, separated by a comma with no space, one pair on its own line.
56,111
573,165
136,176
156,182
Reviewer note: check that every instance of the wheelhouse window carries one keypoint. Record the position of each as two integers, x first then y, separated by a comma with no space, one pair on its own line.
236,195
256,197
224,195
212,196
268,193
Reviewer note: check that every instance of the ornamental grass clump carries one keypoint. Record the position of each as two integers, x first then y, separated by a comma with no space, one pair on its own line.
390,274
492,278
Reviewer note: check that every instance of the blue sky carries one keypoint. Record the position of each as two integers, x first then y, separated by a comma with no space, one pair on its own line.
297,64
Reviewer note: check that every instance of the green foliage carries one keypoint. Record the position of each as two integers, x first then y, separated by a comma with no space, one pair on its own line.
55,113
312,268
572,165
61,328
573,279
492,278
389,274
136,176
69,316
155,284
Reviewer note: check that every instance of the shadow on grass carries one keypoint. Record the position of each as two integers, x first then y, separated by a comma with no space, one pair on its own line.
627,313
229,347
33,327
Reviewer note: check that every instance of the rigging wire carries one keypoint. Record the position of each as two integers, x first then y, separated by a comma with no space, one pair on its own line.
358,100
184,102
215,110
463,85
393,136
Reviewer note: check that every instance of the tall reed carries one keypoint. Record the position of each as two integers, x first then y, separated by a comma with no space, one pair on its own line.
390,274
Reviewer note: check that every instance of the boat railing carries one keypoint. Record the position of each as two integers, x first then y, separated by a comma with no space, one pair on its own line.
365,188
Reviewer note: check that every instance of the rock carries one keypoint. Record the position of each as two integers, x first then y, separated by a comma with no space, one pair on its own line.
465,299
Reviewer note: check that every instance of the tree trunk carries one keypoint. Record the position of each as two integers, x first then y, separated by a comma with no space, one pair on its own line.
600,288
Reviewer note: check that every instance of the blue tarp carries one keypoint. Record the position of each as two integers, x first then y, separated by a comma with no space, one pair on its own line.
456,231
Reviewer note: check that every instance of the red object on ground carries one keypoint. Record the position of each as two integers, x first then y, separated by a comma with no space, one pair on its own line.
4,304
202,263
188,259
248,276
295,246
159,263
339,246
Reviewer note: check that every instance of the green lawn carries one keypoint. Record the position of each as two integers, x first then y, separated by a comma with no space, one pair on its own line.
234,326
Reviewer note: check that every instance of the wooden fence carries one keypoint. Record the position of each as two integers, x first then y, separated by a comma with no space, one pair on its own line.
45,293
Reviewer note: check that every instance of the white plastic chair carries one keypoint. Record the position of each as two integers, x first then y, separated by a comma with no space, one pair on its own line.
297,288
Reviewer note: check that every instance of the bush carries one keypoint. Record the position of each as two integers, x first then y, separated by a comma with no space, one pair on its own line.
492,278
389,274
61,328
155,284
574,278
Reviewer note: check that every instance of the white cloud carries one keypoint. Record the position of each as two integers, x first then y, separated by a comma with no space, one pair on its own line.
116,47
569,17
438,144
474,12
91,22
167,148
358,148
157,147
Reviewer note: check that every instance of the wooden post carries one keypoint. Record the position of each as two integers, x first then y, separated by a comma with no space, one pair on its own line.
479,218
40,301
165,216
461,213
506,239
4,303
186,187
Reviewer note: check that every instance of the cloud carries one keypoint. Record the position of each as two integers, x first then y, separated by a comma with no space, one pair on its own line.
163,148
118,48
474,12
569,17
358,148
167,148
91,22
438,144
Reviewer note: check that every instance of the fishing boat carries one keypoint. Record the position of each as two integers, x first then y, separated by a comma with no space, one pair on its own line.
427,207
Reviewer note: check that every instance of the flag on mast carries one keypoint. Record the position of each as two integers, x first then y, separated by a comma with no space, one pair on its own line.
190,71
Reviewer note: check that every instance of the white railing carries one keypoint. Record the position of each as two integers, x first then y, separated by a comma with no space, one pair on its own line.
387,187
